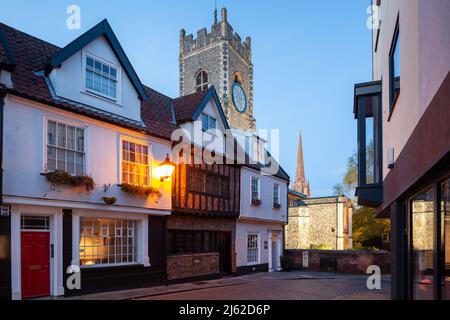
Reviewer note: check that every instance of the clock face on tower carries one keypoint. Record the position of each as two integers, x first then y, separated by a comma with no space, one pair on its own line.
239,98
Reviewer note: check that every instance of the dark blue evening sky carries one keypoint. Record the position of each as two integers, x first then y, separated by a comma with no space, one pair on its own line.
307,56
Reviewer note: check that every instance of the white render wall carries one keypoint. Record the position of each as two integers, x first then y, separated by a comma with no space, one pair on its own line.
424,63
265,212
265,232
209,141
68,82
24,161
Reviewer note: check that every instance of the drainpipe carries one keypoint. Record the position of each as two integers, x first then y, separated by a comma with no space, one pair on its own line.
2,105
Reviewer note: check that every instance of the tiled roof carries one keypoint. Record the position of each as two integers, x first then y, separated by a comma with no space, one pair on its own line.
185,107
32,55
6,58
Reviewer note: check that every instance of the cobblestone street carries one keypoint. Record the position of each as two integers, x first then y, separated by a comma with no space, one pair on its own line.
283,286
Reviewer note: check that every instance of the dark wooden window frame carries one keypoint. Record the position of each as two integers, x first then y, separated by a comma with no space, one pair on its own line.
394,82
184,242
208,182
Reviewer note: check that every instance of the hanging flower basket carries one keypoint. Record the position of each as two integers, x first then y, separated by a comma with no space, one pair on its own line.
142,191
110,201
60,177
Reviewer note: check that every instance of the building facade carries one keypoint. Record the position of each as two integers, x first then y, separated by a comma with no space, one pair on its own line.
320,223
403,139
69,199
205,195
87,155
220,58
263,216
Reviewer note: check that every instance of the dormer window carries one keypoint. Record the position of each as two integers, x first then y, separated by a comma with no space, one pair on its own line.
208,123
101,78
201,81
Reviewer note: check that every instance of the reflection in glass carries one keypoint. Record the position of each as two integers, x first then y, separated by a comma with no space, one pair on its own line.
370,105
445,205
422,246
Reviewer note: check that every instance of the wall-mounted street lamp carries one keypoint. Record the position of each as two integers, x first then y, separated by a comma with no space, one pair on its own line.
166,169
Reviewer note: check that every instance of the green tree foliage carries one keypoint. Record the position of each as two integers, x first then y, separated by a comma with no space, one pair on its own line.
365,226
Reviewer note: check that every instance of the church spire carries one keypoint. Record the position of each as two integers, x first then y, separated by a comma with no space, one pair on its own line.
301,184
215,13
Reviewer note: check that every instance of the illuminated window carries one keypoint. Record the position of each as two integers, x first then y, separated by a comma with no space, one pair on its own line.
135,163
101,78
201,81
107,242
252,248
65,148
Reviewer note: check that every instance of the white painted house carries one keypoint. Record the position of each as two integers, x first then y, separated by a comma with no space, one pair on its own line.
263,216
80,110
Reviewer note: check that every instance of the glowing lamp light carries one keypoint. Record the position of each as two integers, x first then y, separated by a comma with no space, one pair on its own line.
166,169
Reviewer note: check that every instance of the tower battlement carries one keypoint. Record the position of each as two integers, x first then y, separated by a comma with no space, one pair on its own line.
220,31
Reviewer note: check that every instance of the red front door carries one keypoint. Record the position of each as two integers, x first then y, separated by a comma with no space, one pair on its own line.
35,264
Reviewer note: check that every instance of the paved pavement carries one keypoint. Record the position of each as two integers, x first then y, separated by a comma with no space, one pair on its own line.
261,286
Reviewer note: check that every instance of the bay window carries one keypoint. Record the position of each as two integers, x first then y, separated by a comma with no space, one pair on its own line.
107,242
368,113
65,148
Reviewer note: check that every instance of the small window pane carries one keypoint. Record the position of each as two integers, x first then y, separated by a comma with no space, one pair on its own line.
51,158
97,82
212,123
80,140
89,62
61,156
71,138
113,73
98,66
89,80
61,135
205,122
71,162
51,133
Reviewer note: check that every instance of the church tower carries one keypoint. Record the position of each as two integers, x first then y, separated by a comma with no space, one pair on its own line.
220,58
301,184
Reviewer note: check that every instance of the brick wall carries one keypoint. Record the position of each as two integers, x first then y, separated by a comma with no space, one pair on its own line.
350,262
195,265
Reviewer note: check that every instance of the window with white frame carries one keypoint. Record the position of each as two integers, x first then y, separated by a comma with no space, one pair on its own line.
255,190
201,81
107,242
258,150
101,78
252,248
135,163
208,122
276,195
65,148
